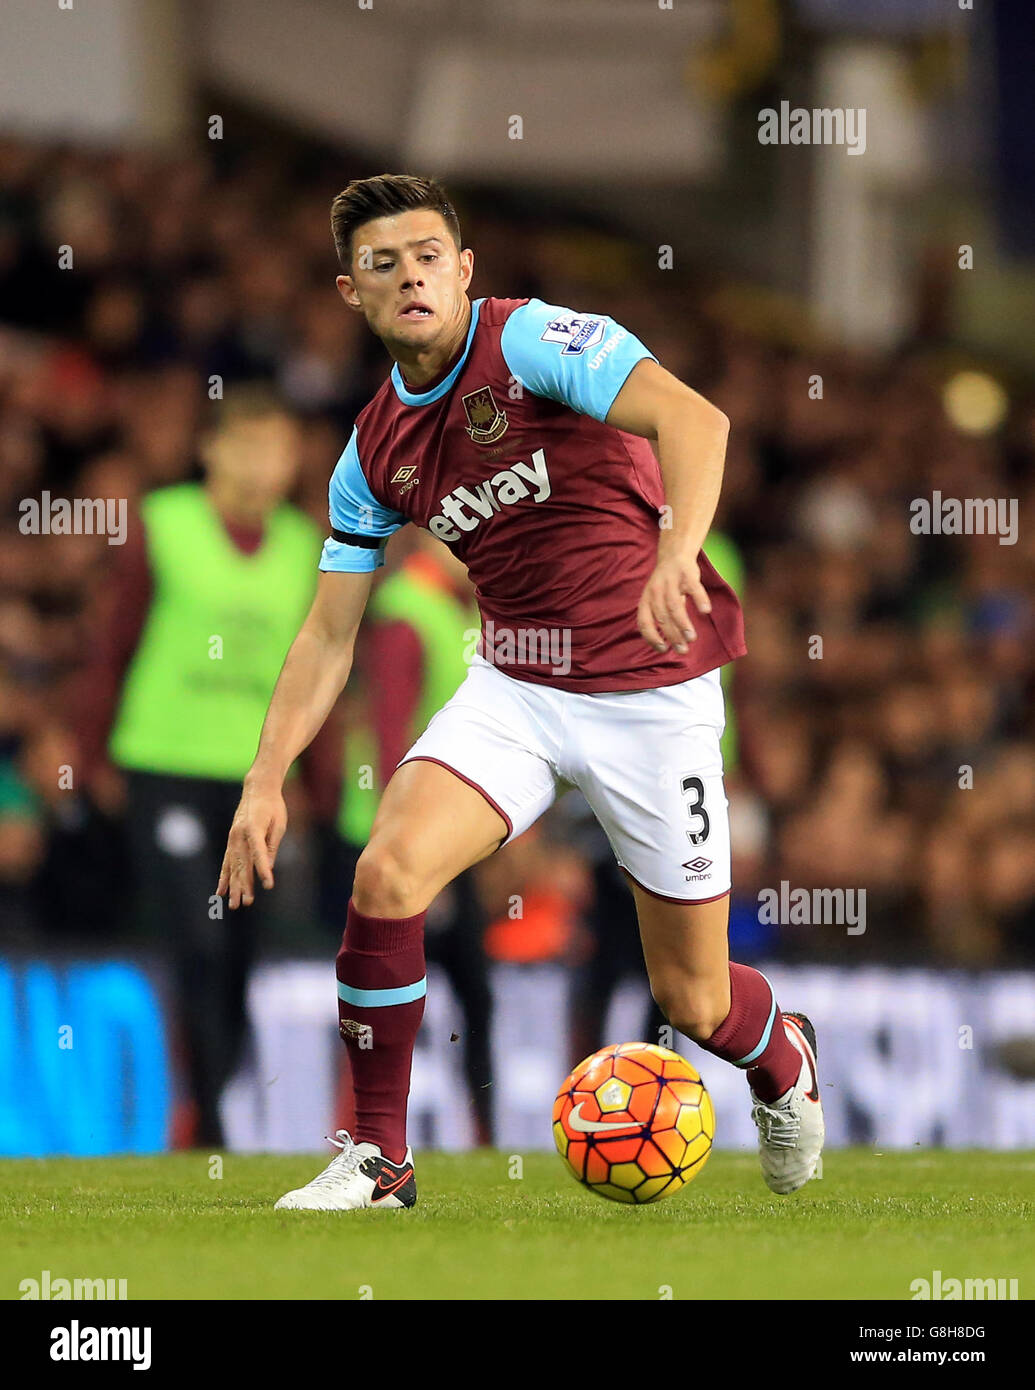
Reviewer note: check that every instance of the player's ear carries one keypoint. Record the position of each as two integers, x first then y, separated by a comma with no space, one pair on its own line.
466,266
347,290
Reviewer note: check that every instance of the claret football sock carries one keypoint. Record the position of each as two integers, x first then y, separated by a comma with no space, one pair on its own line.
752,1035
381,989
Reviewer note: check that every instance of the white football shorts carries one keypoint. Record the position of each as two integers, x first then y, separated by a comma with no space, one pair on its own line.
647,761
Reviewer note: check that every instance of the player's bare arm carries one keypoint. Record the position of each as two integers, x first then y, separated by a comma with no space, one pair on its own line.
691,435
313,676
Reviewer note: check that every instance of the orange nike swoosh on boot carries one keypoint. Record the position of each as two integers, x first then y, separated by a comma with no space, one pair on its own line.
379,1186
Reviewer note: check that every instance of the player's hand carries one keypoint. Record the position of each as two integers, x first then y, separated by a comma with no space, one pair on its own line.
662,616
253,842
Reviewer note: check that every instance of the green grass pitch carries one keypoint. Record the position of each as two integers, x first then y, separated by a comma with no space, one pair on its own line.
872,1224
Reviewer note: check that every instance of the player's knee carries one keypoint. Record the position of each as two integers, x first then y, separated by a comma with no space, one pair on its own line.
385,884
696,1008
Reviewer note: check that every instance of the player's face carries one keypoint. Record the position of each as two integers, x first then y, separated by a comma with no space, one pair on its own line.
408,279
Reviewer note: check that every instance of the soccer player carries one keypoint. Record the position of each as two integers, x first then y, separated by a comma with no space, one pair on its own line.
517,433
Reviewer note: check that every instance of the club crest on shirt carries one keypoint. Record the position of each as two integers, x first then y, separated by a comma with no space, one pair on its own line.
485,421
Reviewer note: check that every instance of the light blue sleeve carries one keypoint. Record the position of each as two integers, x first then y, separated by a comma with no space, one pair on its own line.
355,511
581,360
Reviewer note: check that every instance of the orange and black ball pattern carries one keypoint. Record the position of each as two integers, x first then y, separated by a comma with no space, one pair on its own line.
634,1122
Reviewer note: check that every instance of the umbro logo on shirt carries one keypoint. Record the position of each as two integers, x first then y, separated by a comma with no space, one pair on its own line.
465,508
405,478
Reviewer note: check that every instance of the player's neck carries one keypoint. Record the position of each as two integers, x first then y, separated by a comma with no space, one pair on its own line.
422,370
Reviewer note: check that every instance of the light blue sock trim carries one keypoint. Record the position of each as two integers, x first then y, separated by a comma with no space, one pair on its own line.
764,1040
382,998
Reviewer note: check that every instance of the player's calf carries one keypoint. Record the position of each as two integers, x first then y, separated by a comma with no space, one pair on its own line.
695,1013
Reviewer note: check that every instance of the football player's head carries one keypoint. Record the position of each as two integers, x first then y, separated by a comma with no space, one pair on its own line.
403,265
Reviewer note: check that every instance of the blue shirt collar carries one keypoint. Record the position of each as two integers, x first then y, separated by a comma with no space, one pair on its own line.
426,397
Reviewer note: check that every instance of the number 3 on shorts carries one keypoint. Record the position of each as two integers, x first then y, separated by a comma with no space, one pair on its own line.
693,789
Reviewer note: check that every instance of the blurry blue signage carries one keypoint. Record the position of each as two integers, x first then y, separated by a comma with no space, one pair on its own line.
83,1064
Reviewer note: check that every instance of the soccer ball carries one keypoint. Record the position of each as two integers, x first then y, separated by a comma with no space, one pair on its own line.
634,1122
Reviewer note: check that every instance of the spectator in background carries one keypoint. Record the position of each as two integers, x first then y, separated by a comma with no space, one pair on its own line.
200,610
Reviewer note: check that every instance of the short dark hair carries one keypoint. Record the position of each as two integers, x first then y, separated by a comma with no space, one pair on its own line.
382,196
256,398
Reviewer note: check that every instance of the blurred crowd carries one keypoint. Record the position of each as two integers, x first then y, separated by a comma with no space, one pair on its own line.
896,753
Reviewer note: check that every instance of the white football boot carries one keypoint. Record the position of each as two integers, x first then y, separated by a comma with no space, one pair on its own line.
790,1129
358,1176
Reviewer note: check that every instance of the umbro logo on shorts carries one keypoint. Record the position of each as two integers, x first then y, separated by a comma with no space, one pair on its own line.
698,865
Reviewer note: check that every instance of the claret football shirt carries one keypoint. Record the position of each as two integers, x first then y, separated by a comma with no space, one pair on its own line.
508,461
